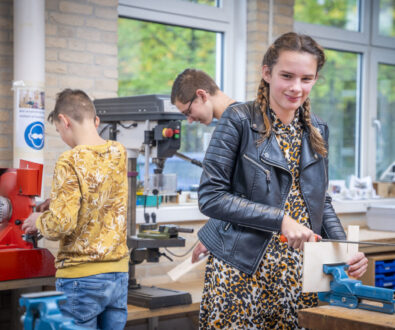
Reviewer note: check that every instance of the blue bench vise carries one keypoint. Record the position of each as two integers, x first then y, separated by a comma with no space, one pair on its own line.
43,313
349,293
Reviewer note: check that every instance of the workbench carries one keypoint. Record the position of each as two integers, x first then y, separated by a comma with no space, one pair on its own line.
366,234
27,283
195,288
340,318
10,292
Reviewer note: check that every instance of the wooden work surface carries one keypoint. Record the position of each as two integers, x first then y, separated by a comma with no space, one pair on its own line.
366,234
27,283
339,318
195,288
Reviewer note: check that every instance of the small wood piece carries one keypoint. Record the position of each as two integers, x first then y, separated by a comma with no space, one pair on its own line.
316,254
185,267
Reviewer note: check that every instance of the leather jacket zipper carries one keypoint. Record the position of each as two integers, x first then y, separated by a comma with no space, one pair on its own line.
283,168
275,165
267,172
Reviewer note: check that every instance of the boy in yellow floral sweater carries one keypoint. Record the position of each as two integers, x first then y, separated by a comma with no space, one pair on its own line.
87,213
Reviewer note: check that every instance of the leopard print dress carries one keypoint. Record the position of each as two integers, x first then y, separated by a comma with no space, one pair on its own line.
271,297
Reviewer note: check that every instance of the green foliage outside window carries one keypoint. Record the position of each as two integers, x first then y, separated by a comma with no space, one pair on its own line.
385,153
334,99
387,18
151,55
214,3
342,14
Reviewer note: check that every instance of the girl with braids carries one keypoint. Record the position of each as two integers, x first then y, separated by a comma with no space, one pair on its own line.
265,174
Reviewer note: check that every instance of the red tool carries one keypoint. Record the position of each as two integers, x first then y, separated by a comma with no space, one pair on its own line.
19,256
284,239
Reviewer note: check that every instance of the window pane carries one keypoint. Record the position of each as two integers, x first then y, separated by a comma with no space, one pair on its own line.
334,99
387,18
385,154
343,14
150,56
214,3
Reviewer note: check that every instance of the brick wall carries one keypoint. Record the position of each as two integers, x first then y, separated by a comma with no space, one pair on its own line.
258,12
6,74
81,52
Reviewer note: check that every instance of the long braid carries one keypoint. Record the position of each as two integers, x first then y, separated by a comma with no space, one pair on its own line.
316,140
263,101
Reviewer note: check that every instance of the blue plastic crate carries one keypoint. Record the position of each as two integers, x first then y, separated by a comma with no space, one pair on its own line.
385,280
385,266
150,201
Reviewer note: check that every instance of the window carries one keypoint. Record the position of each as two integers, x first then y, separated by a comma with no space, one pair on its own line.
157,40
214,3
355,95
387,18
150,55
385,134
335,13
334,99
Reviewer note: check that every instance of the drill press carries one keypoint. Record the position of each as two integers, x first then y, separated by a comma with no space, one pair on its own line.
148,125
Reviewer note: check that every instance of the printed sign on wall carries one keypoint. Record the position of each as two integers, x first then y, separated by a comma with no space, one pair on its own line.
30,119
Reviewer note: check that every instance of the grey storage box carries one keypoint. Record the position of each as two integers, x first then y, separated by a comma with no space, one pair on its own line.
381,217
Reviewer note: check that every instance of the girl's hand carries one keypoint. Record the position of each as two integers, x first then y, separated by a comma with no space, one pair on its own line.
358,265
296,233
197,251
29,225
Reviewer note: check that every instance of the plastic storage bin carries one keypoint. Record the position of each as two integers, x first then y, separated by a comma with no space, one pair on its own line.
381,217
385,281
385,266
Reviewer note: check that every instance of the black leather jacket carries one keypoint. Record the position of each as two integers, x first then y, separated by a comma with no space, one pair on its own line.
244,186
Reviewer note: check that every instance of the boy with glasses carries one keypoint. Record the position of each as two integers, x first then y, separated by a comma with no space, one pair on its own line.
198,97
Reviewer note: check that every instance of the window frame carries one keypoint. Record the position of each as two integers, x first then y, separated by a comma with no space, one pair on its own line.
378,56
370,46
230,20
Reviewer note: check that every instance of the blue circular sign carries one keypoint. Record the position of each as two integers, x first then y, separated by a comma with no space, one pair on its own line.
34,135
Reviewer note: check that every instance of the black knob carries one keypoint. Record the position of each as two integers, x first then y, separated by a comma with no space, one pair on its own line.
18,222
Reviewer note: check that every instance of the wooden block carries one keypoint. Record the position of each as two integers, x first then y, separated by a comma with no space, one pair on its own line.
352,235
316,254
185,267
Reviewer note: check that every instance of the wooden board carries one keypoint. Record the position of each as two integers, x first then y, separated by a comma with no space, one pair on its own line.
316,254
185,267
340,318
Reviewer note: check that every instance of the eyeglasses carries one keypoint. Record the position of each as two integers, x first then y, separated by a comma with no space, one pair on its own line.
188,111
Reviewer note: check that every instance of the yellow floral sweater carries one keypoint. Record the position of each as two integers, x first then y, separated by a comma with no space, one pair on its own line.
88,211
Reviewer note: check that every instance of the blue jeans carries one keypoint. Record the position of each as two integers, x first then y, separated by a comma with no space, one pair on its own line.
97,301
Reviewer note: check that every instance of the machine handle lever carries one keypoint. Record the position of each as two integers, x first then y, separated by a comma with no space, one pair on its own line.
165,255
284,239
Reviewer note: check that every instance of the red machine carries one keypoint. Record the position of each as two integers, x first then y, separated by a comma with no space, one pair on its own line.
19,256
